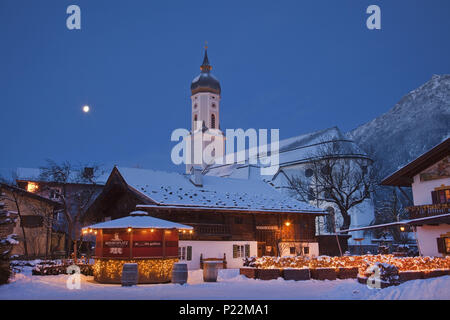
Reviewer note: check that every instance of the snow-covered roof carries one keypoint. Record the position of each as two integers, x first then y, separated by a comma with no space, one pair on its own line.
403,176
141,220
298,149
174,189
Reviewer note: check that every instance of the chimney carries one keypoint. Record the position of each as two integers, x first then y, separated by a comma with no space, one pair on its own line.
197,176
88,172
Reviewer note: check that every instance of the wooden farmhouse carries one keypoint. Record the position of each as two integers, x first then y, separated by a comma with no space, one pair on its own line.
231,218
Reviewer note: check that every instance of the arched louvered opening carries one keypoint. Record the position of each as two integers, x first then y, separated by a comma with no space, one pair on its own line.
213,121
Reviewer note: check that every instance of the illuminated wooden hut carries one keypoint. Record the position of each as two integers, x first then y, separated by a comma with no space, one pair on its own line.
150,242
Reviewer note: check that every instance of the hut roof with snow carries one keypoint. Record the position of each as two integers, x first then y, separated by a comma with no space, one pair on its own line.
139,220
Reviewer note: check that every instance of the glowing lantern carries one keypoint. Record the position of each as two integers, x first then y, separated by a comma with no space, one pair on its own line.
32,187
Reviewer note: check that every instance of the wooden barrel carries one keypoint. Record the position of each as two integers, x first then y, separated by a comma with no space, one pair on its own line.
129,274
210,271
179,273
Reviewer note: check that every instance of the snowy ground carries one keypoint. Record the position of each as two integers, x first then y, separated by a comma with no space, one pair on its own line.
231,285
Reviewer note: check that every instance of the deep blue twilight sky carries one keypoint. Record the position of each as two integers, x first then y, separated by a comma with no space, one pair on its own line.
300,66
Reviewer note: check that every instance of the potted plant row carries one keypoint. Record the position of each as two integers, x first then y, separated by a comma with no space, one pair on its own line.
300,273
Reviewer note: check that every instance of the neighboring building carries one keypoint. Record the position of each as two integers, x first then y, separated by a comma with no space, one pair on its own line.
232,217
30,179
429,177
75,193
35,217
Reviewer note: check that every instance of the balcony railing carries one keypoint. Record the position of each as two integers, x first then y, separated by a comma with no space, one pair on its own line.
428,210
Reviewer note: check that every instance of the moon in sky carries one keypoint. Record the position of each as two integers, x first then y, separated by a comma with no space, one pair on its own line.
86,109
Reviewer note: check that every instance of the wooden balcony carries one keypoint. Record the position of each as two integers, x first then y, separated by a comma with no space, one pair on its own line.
212,229
429,210
204,229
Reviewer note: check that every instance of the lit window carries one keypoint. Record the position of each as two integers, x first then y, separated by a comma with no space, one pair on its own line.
440,196
32,187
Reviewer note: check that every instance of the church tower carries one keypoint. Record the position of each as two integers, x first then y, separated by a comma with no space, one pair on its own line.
205,89
205,120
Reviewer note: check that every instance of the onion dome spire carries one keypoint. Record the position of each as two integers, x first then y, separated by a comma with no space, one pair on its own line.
206,67
205,81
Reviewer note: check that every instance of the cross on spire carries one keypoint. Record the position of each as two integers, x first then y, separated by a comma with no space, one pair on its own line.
206,67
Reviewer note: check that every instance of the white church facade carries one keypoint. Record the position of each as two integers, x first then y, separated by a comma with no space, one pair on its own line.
294,155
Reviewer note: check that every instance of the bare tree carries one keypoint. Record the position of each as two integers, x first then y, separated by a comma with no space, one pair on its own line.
17,199
7,240
74,201
283,247
391,209
334,176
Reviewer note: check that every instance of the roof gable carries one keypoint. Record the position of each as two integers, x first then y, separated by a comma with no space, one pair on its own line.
142,221
403,177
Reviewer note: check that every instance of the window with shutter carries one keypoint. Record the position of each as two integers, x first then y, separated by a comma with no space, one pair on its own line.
441,245
247,250
189,253
235,251
32,221
442,196
434,197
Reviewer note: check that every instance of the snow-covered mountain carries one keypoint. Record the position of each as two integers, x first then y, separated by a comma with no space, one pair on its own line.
419,121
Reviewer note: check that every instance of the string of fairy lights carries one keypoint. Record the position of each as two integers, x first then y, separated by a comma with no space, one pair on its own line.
129,229
361,262
150,270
